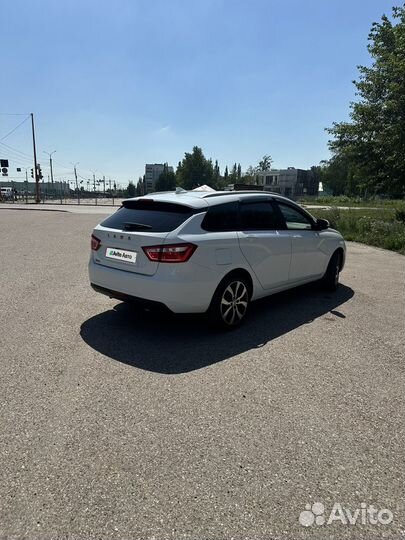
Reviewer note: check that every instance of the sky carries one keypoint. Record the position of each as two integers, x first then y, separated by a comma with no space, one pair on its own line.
114,85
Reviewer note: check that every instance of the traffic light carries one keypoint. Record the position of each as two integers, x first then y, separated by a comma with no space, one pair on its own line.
4,167
32,173
39,170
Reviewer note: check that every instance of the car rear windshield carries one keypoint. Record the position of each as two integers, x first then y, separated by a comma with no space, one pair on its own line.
148,216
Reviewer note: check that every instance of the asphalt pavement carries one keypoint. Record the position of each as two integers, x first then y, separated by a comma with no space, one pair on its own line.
116,423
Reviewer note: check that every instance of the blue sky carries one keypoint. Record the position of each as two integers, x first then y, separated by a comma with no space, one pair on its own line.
116,84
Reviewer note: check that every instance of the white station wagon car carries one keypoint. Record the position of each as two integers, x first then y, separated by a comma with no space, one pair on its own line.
197,252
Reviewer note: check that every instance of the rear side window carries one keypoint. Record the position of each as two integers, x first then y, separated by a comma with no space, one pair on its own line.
221,217
148,216
259,215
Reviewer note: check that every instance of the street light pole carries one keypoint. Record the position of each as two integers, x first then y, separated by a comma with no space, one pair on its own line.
50,163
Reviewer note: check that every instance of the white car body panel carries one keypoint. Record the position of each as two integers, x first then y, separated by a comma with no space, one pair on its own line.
269,256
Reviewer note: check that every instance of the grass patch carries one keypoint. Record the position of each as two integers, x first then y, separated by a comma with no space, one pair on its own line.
343,200
382,227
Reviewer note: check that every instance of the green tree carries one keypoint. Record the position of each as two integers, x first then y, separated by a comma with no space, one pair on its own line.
265,163
140,187
195,170
233,176
166,180
131,190
337,176
250,175
372,144
217,174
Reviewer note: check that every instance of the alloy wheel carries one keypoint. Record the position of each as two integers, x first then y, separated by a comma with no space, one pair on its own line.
234,303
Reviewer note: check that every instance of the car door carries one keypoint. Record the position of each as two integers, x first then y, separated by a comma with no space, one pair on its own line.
267,249
308,258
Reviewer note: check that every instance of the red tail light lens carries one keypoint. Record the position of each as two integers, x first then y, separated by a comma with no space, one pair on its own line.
170,253
95,243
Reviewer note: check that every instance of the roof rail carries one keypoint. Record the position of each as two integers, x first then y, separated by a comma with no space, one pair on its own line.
239,192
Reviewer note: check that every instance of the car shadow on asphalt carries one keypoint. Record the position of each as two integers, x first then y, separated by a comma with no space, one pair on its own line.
174,344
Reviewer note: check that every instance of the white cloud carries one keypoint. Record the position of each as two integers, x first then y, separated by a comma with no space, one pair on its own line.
163,129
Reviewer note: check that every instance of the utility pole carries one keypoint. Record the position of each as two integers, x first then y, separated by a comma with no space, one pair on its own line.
26,184
37,196
50,163
94,186
104,185
77,185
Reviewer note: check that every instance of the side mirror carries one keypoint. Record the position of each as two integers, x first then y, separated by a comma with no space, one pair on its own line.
321,224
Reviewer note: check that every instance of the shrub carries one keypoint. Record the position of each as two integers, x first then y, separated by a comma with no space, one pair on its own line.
400,214
384,227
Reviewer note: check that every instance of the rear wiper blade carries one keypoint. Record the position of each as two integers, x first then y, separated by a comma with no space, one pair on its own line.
132,226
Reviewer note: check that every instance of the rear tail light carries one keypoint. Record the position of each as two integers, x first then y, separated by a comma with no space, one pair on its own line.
95,243
170,253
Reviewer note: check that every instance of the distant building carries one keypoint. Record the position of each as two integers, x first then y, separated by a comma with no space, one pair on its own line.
152,173
290,182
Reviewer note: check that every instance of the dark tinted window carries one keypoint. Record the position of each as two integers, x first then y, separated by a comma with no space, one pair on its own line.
148,216
258,216
222,217
294,219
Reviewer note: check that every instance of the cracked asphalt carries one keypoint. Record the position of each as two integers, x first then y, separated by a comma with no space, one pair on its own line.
117,423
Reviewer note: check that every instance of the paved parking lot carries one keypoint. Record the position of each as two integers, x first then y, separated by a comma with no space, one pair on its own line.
117,424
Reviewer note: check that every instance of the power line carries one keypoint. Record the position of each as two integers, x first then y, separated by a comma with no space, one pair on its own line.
12,131
61,165
19,155
15,157
15,150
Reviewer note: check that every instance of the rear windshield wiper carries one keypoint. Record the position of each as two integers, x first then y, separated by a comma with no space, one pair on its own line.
132,226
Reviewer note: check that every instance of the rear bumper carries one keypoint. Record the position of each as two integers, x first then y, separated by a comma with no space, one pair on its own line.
178,290
148,304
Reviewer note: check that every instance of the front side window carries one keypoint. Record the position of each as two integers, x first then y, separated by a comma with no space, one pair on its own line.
294,219
258,215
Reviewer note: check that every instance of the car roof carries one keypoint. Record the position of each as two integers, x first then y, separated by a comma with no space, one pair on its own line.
203,199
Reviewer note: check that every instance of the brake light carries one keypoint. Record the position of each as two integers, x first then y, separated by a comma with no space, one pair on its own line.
170,253
95,243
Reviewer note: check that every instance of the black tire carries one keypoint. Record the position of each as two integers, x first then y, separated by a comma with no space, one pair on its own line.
330,280
230,303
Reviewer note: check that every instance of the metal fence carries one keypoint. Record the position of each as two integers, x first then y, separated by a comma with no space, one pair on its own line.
91,199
